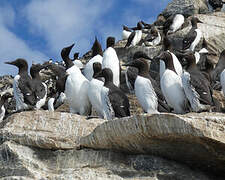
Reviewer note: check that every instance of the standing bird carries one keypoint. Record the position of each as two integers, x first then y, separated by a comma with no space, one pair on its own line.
171,85
40,87
173,23
154,38
177,66
196,86
76,86
145,89
96,57
135,36
94,90
115,102
3,100
193,37
23,88
126,32
110,60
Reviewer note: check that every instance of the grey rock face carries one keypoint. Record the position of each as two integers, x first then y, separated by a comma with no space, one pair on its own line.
186,7
194,139
33,151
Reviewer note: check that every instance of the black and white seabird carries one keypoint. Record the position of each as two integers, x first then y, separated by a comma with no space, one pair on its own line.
110,60
76,86
115,102
3,100
96,57
23,88
176,62
153,38
94,90
173,23
171,85
40,87
135,36
193,37
196,86
146,91
126,32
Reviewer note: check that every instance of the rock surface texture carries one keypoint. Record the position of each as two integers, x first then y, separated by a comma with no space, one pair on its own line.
140,147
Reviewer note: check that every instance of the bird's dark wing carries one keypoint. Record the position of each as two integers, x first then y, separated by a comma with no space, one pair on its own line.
120,103
130,38
202,87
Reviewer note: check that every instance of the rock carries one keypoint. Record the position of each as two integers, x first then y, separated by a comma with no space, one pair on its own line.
186,7
197,140
47,130
17,161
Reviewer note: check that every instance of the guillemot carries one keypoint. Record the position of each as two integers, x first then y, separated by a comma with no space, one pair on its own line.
171,85
115,102
173,23
220,66
96,57
126,32
177,65
110,60
23,88
40,87
196,87
153,38
216,5
3,100
76,86
145,89
135,36
193,37
94,90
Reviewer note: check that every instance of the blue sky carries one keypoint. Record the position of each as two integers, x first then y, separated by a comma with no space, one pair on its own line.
38,29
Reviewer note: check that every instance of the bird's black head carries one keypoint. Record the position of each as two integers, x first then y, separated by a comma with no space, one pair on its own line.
20,63
107,74
96,48
65,56
110,42
35,69
139,25
97,68
76,55
188,60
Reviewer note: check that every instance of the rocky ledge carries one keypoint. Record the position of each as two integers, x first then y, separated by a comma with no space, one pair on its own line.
44,145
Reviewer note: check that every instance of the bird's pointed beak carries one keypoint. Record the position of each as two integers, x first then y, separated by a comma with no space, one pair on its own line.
199,21
10,62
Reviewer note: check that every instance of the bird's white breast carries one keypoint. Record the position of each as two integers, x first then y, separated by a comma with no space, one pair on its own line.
110,60
146,94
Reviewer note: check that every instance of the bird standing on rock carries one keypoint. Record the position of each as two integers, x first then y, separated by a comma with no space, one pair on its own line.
40,87
115,102
76,86
23,88
110,60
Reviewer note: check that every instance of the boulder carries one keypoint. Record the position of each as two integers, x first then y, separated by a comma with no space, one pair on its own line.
22,162
47,130
197,140
186,7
